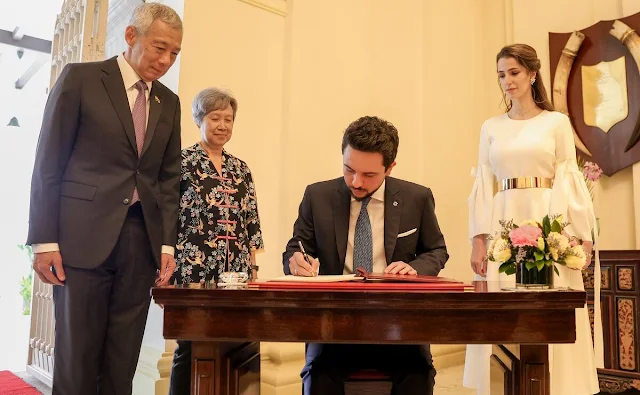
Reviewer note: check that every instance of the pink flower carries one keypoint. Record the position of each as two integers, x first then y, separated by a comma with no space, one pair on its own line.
525,236
592,171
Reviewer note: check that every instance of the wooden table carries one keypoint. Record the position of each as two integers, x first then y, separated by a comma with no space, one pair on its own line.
226,325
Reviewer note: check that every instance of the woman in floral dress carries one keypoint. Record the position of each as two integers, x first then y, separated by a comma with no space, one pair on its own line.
219,229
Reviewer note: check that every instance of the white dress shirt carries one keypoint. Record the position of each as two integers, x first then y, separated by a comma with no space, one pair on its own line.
375,209
130,78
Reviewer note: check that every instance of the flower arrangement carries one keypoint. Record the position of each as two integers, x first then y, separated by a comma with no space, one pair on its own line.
591,172
535,246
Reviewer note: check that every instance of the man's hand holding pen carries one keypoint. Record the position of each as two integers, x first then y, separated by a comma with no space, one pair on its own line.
298,266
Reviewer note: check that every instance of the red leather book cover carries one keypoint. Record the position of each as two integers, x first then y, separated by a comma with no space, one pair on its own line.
405,278
360,286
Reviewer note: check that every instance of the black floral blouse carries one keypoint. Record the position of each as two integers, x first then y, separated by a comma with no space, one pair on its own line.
219,224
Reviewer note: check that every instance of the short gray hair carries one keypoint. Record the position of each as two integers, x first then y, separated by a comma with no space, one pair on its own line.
211,99
144,15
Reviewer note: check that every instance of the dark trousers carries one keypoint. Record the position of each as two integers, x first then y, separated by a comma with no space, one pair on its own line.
329,365
180,382
101,314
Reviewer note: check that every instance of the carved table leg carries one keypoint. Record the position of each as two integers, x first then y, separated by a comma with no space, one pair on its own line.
534,370
225,368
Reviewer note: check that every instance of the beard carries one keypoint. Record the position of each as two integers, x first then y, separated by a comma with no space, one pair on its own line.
368,195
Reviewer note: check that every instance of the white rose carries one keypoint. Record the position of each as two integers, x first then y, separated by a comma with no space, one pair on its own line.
558,244
501,251
576,259
529,222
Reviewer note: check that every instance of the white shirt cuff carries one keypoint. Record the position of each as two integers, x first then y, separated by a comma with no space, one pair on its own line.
168,250
46,247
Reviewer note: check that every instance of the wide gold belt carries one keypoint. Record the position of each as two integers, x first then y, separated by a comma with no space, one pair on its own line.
524,182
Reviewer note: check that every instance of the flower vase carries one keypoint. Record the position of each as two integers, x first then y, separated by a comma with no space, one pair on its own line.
533,278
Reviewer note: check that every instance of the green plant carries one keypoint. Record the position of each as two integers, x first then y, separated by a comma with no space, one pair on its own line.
28,250
26,283
25,291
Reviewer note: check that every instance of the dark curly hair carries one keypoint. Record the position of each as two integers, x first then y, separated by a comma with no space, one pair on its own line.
372,134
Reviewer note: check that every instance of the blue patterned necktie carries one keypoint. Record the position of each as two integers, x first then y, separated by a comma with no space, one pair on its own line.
363,240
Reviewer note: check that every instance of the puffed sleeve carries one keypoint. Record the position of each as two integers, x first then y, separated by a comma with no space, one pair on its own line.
570,195
480,200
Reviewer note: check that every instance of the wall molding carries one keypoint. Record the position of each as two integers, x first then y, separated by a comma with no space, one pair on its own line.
508,22
153,371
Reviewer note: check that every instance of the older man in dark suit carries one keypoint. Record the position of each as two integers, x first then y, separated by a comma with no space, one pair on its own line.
104,203
382,224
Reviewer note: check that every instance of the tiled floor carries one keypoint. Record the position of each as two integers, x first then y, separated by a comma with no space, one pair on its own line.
449,381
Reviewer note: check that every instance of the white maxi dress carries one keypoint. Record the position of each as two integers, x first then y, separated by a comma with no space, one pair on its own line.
542,146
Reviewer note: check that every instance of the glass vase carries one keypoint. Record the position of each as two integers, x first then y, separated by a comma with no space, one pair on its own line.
533,278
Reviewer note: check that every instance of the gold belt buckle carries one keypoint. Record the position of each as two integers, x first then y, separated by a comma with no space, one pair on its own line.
524,182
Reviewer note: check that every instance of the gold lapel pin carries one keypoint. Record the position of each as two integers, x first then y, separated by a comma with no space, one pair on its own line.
157,99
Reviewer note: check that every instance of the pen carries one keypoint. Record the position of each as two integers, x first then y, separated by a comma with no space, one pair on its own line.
306,257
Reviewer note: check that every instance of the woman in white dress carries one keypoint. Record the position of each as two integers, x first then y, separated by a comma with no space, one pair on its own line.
532,141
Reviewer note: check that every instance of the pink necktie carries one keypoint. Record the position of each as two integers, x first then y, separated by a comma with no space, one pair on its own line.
139,114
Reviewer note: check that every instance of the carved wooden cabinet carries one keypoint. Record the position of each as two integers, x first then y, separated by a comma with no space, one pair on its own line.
620,298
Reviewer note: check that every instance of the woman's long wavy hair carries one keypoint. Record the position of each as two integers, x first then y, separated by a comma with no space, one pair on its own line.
527,57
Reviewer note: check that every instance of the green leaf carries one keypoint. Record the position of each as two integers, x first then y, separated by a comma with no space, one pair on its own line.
555,269
539,256
510,270
504,268
540,265
548,263
555,226
530,265
546,225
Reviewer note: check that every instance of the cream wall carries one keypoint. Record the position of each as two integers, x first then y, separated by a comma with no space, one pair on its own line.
347,61
301,79
232,44
427,66
460,40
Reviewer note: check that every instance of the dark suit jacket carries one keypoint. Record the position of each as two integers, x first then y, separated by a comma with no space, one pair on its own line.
87,165
323,225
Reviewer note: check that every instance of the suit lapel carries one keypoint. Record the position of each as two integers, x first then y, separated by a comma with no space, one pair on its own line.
114,85
341,213
155,109
392,212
